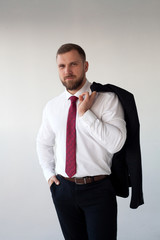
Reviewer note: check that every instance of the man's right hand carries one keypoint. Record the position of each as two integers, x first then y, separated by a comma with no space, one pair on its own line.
52,180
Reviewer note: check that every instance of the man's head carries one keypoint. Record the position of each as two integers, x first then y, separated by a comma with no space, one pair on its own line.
72,66
71,46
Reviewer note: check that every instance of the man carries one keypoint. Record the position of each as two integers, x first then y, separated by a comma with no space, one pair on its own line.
79,174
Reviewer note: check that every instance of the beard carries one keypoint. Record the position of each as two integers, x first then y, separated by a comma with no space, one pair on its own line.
73,84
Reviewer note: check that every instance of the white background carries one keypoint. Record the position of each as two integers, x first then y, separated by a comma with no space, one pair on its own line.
122,42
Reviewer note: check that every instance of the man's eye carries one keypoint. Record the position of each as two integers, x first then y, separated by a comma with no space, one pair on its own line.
74,64
61,66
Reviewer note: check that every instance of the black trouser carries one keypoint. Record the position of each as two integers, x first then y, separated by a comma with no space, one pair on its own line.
86,212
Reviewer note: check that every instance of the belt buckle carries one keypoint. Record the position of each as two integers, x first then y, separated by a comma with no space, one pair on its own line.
84,181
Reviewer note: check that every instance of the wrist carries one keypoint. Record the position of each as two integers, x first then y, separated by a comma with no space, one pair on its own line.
81,112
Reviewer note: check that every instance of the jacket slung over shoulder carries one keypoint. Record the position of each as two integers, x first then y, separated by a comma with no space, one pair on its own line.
126,164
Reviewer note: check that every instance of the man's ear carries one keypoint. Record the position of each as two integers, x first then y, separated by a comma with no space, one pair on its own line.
86,66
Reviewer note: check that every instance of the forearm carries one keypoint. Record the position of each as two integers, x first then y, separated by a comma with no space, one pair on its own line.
110,135
46,159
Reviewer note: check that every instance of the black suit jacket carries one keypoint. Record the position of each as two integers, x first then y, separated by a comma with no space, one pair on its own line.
126,164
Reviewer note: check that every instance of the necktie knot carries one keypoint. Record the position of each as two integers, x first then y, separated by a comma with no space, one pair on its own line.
73,99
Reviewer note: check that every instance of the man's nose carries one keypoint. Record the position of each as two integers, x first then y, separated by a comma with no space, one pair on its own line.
68,70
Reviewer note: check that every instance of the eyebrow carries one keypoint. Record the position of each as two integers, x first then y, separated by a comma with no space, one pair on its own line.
75,62
62,64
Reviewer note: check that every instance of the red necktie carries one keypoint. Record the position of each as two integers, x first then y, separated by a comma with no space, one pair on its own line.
71,139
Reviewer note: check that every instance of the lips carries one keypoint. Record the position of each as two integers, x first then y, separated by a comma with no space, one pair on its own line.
69,77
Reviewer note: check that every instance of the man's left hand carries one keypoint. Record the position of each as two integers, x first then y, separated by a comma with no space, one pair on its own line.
85,102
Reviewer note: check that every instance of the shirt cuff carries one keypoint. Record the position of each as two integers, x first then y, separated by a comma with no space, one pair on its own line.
48,175
88,117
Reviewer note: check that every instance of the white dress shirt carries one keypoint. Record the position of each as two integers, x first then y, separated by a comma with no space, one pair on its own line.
100,133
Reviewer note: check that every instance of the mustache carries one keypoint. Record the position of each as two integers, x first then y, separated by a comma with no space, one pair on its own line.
68,76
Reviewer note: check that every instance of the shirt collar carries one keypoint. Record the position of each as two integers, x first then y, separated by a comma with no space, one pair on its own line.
85,88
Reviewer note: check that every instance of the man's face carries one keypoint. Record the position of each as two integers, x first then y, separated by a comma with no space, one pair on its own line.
72,70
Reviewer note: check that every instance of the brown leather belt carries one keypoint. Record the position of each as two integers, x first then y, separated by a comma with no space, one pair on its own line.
86,180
